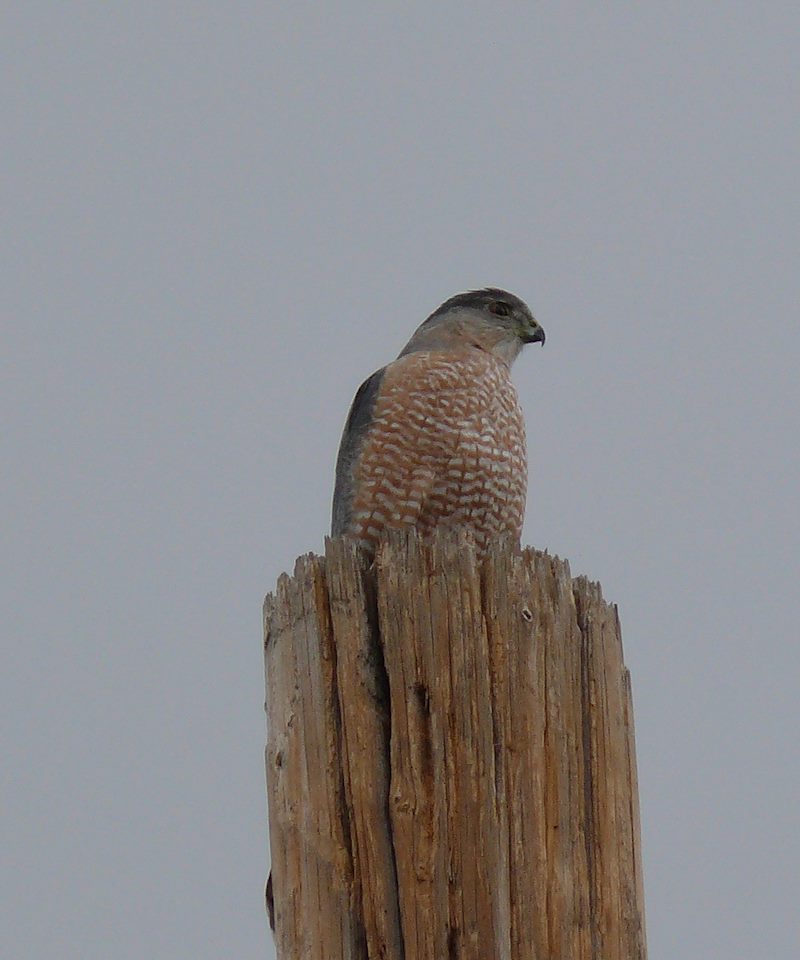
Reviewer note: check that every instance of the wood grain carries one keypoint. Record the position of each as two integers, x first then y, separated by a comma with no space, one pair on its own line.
451,767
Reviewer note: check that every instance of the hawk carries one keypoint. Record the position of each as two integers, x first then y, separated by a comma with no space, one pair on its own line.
437,438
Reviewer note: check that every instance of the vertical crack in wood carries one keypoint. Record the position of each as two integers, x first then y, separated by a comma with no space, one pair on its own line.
360,950
489,613
590,839
363,697
548,774
384,693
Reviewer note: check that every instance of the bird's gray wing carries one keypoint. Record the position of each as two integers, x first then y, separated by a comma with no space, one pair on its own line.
358,423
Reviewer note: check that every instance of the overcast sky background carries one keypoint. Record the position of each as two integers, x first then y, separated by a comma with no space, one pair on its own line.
217,220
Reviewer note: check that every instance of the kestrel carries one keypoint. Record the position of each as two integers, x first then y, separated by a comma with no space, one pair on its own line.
437,437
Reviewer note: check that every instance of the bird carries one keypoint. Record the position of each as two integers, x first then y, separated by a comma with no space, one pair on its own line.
437,437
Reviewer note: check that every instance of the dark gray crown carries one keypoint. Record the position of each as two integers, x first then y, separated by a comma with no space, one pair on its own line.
479,299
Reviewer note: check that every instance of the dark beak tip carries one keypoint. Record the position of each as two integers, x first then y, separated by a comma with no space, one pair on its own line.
533,334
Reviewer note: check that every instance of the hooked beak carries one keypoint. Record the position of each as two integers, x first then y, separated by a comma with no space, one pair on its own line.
533,333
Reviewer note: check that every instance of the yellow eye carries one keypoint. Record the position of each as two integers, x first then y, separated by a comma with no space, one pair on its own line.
500,309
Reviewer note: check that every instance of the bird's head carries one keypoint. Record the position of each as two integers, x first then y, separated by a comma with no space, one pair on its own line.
491,320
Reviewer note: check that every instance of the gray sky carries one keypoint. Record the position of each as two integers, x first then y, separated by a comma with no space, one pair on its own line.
218,219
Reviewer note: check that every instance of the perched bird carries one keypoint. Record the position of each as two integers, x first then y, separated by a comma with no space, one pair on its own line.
437,437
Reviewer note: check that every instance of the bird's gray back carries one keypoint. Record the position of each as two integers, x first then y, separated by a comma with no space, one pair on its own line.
355,430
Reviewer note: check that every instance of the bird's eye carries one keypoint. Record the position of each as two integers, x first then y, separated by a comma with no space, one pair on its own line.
500,309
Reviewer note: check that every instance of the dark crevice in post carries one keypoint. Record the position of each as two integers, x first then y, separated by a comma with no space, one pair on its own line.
383,702
549,826
422,703
453,952
356,917
588,771
490,624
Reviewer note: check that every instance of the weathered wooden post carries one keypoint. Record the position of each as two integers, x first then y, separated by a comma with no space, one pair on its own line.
450,759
